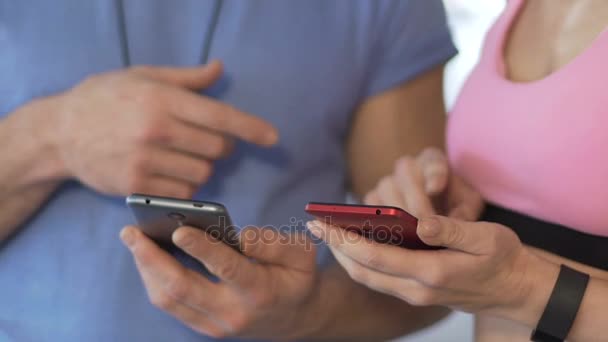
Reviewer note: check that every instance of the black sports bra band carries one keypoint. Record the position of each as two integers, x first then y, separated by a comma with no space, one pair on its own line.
588,249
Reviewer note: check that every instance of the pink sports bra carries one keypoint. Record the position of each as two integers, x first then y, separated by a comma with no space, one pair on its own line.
537,148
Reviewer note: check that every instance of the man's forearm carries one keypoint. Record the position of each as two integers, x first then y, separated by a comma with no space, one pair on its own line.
351,312
15,209
30,171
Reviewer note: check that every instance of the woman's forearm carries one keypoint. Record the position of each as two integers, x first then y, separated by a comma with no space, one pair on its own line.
591,323
30,168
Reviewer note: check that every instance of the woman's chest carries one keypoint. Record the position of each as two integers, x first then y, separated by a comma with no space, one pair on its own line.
547,35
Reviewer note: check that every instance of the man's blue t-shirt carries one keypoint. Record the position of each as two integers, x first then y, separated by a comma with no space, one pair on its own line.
304,66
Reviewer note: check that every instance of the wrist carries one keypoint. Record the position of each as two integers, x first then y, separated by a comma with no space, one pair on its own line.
537,285
36,120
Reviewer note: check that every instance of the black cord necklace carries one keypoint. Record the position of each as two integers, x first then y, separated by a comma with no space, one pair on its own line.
217,8
122,33
124,38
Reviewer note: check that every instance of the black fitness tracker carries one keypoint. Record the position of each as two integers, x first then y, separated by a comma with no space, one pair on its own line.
560,312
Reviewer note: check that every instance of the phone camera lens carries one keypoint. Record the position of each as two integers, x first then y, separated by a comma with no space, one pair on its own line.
176,216
378,211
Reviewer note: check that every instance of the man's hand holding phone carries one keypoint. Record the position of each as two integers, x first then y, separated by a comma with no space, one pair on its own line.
264,298
146,130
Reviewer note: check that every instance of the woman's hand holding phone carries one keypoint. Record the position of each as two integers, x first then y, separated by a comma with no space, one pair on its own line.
484,267
424,185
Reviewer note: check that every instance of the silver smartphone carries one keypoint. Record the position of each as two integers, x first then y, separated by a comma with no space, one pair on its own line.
159,217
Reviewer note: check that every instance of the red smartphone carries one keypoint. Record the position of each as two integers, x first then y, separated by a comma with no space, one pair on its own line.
389,225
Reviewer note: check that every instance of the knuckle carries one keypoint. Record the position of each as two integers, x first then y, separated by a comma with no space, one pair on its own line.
137,166
205,172
147,92
263,299
229,112
216,147
252,246
454,237
140,69
238,322
181,190
424,297
435,169
189,191
431,153
436,276
92,79
370,197
407,168
154,129
404,163
227,146
148,97
385,184
177,287
177,193
144,255
227,270
163,301
497,237
374,260
217,120
433,163
212,332
358,274
135,180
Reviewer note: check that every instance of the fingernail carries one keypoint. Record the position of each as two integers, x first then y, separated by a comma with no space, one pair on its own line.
431,227
314,228
183,239
127,236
